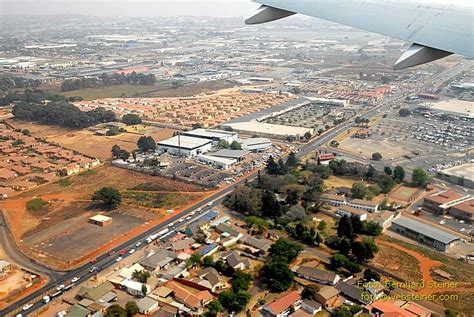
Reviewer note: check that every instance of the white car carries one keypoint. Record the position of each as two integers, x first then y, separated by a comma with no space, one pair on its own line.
209,204
442,222
118,259
93,269
199,209
60,287
192,213
131,251
171,224
138,244
75,279
27,306
189,218
462,229
180,220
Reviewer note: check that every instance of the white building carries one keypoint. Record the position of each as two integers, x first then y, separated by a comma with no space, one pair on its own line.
346,210
183,145
366,205
256,144
134,288
334,200
219,162
268,130
212,134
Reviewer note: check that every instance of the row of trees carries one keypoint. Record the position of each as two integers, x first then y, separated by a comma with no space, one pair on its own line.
34,96
12,82
61,113
106,80
223,144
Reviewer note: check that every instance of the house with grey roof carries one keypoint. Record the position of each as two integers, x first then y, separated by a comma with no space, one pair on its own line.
147,305
317,275
255,243
211,279
426,234
158,260
235,261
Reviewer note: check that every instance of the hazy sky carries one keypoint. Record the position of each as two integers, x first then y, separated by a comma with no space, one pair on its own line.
219,8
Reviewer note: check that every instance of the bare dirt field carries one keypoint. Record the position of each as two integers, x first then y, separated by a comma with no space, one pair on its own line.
62,225
404,194
86,142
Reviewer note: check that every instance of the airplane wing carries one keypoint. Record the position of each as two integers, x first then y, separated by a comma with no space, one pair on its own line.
437,28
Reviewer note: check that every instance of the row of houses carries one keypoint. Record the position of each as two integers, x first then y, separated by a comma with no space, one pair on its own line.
26,161
341,200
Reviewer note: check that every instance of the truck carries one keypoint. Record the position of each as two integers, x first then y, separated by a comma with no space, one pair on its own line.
162,232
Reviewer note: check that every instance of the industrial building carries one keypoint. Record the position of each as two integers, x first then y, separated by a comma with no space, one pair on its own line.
426,234
239,155
439,203
268,130
462,175
219,162
214,135
183,145
256,144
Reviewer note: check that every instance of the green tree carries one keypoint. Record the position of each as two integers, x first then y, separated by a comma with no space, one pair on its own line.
146,143
338,260
386,183
450,313
345,229
358,190
270,205
241,280
132,308
223,144
213,308
420,178
376,156
370,275
141,276
208,261
399,174
272,167
388,170
291,161
277,276
342,311
318,239
131,119
115,311
322,225
310,291
285,250
195,259
234,302
307,136
235,146
116,151
36,204
109,196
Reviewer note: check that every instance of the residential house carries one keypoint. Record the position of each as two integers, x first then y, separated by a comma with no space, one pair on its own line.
147,305
283,306
6,192
211,279
21,185
6,174
317,275
366,205
158,260
259,244
311,307
384,219
328,296
194,301
135,288
229,235
97,293
78,311
235,261
354,293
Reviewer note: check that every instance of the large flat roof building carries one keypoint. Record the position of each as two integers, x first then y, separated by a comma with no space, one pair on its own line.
183,145
462,175
426,234
212,134
268,130
256,144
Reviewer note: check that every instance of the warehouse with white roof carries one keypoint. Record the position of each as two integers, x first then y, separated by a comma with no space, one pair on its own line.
183,145
212,134
268,130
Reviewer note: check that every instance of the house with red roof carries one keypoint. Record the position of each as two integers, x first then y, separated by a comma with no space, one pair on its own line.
283,306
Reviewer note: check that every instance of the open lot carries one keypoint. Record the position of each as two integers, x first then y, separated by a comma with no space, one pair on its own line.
404,194
62,224
86,142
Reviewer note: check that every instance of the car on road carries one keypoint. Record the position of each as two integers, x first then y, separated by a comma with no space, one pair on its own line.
180,220
93,269
122,252
60,287
138,244
171,224
111,252
132,251
27,306
75,279
199,210
442,222
189,218
118,259
209,203
192,213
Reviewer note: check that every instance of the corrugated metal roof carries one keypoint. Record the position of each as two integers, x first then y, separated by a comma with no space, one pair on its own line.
426,230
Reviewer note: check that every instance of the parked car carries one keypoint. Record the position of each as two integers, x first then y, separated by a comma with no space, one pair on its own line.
118,259
131,251
27,306
75,279
60,287
138,244
93,269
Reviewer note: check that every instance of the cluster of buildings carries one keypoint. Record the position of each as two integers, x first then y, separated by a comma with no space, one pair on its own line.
174,285
26,161
207,109
450,202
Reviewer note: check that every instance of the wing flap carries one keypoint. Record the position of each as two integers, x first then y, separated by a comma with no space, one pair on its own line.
418,54
268,14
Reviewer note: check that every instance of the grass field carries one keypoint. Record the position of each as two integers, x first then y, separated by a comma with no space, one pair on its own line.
404,193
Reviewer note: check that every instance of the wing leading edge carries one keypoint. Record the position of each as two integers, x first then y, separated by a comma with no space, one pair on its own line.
437,28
